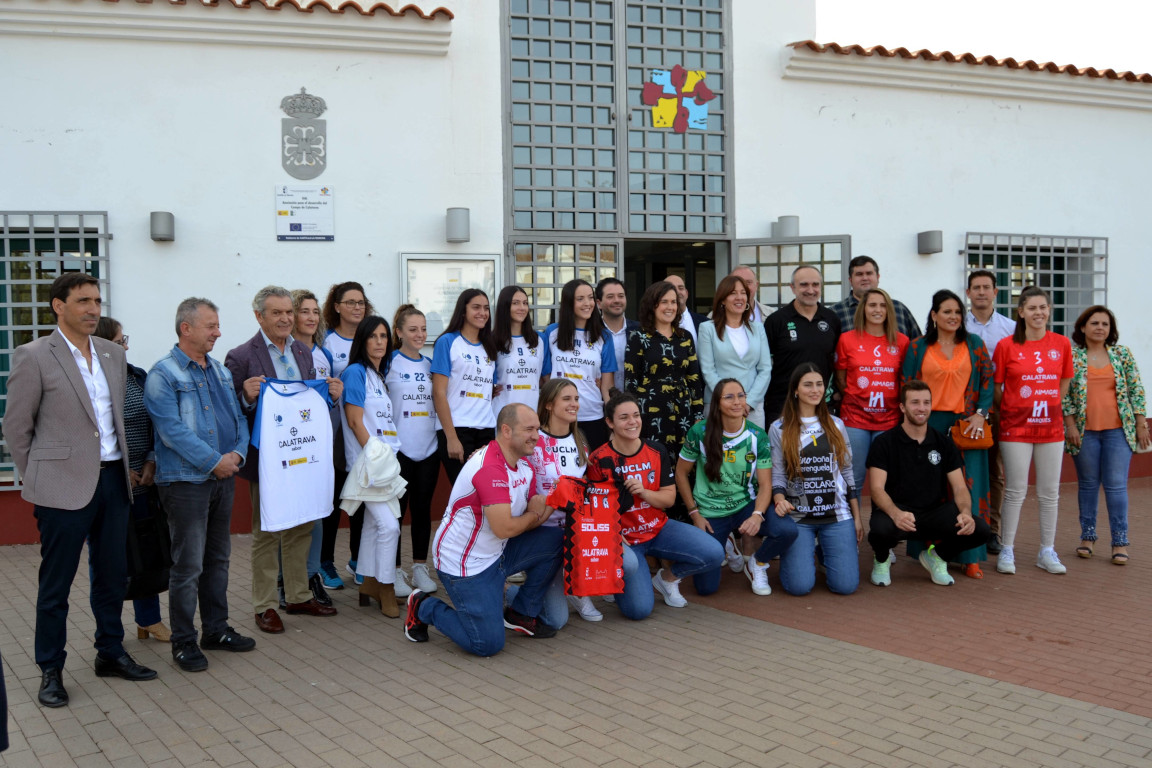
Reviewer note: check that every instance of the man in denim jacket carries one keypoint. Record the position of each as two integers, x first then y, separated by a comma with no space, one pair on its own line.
201,442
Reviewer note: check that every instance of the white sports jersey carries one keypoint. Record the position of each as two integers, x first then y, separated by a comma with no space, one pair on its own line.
294,436
582,365
470,372
518,374
465,545
410,387
554,457
320,363
339,347
365,388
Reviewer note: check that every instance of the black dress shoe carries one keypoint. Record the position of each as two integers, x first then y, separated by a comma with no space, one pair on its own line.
994,545
125,667
188,657
228,640
52,693
316,584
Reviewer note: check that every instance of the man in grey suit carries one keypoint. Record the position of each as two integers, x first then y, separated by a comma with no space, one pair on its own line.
65,428
273,354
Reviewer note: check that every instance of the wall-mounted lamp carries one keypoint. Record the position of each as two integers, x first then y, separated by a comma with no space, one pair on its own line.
789,226
457,228
163,226
931,241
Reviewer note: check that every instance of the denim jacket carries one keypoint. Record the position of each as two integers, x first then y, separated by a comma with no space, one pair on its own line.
176,395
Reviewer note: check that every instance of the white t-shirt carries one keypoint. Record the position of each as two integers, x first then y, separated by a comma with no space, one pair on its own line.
339,347
739,338
410,387
582,365
364,388
294,436
518,374
465,544
470,372
553,458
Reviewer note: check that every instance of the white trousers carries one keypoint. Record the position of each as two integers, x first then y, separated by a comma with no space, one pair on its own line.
1017,457
378,542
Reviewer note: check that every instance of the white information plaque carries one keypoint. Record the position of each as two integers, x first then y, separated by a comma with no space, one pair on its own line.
304,213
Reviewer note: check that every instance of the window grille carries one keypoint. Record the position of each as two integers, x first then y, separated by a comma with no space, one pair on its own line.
1073,270
774,261
542,269
35,249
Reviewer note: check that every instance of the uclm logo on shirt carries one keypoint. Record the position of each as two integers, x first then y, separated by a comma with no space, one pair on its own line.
518,482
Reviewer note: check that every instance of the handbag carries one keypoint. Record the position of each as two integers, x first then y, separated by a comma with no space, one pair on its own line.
149,547
965,443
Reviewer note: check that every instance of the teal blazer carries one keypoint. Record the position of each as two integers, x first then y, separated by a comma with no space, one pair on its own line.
718,360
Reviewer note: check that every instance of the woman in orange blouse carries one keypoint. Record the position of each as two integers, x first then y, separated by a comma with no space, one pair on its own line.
958,371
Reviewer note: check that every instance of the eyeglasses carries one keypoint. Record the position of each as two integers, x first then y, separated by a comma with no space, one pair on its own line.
122,341
730,398
355,304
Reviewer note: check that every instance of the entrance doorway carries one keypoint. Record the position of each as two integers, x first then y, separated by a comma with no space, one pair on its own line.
648,261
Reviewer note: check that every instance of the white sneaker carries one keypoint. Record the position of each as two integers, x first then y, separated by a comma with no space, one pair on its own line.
1048,560
610,598
517,578
402,587
669,590
732,552
891,556
1006,561
421,579
758,575
583,606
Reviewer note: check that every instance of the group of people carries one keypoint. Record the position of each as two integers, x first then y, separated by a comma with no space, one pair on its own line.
719,434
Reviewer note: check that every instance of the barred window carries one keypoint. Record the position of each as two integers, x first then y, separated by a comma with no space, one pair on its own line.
1073,270
35,249
774,261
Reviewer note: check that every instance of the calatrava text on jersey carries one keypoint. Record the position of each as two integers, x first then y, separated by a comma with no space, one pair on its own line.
297,441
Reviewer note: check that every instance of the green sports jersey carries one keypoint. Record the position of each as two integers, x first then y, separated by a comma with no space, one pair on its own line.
743,455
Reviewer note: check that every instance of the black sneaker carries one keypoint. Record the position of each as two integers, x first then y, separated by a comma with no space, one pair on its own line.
188,657
228,640
316,584
527,625
994,545
414,629
280,592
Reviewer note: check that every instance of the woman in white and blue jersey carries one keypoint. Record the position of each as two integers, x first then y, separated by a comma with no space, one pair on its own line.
519,351
463,369
409,383
578,348
367,414
344,308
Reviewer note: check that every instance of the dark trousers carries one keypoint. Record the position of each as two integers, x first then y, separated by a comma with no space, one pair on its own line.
422,477
103,521
199,521
936,525
332,525
596,433
471,438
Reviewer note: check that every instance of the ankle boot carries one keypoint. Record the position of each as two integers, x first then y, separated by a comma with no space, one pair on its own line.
388,605
369,590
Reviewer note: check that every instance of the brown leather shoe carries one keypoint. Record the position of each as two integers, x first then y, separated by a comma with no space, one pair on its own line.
269,622
311,608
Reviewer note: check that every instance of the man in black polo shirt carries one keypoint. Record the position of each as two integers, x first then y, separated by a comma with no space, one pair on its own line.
911,468
801,331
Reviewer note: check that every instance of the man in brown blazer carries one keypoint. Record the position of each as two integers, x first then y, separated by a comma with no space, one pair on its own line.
64,424
273,354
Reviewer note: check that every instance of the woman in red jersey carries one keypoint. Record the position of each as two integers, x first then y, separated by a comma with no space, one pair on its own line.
1033,371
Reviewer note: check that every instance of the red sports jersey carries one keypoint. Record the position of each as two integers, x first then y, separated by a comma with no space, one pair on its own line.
1030,410
593,550
640,522
872,395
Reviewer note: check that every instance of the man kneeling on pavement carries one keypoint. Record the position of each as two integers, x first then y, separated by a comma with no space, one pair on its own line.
911,468
492,528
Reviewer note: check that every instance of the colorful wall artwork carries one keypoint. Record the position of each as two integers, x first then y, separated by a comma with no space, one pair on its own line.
679,98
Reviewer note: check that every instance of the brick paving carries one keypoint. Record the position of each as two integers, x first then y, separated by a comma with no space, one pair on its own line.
1032,670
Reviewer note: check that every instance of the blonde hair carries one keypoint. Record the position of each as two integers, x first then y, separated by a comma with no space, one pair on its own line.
298,298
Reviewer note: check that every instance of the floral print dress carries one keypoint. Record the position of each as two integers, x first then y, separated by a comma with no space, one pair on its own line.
664,374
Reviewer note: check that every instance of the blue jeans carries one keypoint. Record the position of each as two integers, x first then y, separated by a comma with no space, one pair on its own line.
841,559
554,611
691,551
778,532
199,519
861,441
476,624
1103,460
314,549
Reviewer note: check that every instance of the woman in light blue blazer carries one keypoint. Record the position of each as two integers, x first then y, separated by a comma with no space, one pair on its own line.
733,347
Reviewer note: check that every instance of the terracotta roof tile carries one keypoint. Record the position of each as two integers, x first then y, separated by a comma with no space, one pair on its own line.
364,7
969,58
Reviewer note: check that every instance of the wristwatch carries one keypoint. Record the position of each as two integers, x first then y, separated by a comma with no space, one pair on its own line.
983,412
